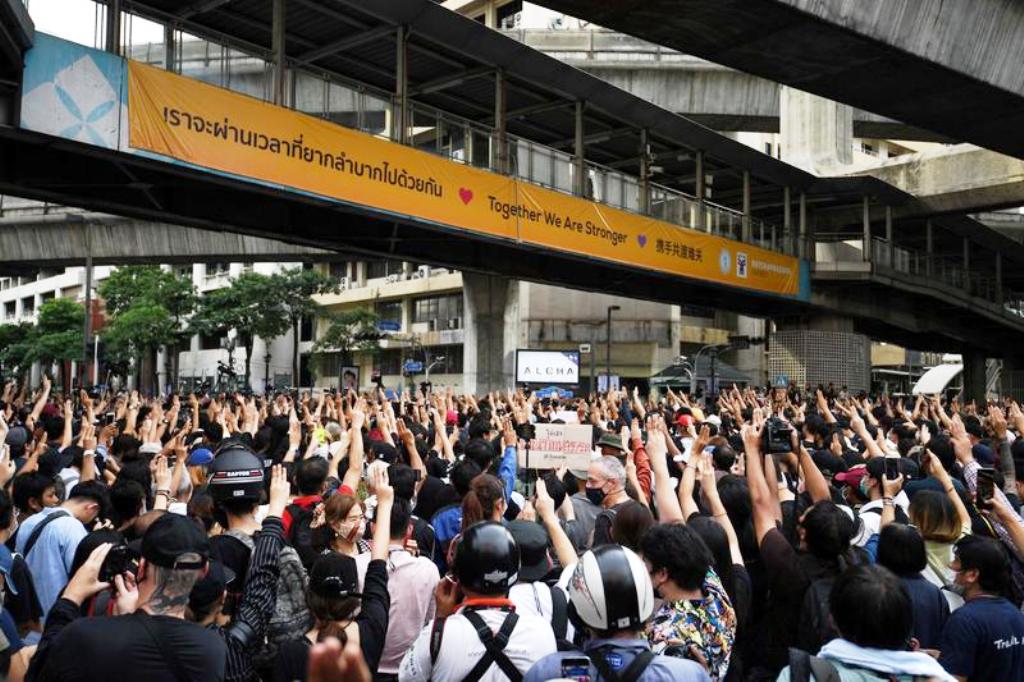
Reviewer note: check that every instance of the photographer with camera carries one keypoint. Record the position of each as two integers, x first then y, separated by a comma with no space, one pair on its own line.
151,642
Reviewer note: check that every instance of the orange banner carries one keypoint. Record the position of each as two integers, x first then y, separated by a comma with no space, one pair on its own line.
221,130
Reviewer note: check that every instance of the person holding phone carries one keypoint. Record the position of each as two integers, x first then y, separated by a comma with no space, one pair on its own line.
870,484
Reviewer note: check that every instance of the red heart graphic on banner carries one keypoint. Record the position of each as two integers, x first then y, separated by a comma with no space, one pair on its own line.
466,195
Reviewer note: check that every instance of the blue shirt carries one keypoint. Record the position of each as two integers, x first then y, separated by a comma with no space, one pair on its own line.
984,640
51,557
931,611
619,654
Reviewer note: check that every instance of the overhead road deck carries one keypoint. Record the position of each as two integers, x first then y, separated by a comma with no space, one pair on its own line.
64,171
949,67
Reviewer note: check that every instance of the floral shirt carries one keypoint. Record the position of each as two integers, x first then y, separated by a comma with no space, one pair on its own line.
709,623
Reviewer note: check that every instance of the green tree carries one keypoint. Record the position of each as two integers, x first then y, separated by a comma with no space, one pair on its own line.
249,306
294,290
14,347
165,300
139,331
347,331
58,335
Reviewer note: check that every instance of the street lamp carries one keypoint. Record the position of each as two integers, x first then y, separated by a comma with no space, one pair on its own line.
608,354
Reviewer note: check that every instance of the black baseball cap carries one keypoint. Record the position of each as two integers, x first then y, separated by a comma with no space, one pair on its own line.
175,541
532,538
334,576
211,586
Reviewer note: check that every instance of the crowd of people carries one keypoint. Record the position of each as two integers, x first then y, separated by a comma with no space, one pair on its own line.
783,533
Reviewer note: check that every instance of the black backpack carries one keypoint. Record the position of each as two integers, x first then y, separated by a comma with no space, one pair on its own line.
815,627
301,534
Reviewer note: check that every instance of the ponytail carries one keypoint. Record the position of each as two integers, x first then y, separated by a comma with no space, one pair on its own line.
480,503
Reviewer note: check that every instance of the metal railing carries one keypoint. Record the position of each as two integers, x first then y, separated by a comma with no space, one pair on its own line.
361,107
932,268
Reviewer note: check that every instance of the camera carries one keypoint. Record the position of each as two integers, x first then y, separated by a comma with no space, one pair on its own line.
776,437
526,431
117,562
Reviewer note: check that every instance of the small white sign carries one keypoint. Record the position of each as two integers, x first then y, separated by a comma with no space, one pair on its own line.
547,367
558,445
584,348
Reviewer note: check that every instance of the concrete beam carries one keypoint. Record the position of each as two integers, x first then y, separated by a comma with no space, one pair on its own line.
958,179
900,58
711,94
61,240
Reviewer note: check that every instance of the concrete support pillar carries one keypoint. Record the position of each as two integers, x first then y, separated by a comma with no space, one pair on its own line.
929,248
170,49
816,133
361,273
579,153
645,173
974,374
747,236
112,31
277,43
491,306
802,250
866,220
499,149
787,220
702,223
401,85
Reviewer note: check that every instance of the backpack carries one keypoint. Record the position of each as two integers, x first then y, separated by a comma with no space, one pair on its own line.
301,534
816,627
560,618
804,668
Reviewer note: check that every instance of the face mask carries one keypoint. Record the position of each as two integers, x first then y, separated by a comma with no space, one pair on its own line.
864,490
351,530
957,588
596,495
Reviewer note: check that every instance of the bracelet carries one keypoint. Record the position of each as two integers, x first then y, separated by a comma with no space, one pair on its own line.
888,502
163,492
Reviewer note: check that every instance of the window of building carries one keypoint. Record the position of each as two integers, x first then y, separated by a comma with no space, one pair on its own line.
28,305
213,341
480,18
306,329
389,311
390,361
10,309
444,311
510,14
339,270
6,283
382,268
47,296
452,362
768,148
184,271
217,269
869,149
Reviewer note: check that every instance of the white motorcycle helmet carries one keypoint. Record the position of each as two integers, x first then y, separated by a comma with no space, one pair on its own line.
610,590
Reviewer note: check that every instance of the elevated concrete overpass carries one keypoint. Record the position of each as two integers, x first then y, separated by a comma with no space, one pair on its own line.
63,237
464,93
949,67
712,94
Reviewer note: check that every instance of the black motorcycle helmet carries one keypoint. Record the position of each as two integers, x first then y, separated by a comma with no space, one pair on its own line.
487,559
235,473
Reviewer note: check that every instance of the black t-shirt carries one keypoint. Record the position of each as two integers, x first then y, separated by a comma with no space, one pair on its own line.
121,647
372,621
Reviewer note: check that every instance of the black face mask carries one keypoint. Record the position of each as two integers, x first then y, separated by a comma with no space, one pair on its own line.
595,495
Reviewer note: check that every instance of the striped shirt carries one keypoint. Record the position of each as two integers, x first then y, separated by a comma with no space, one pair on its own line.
256,605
